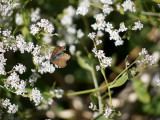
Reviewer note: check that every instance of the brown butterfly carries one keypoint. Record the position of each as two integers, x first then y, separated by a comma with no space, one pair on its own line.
58,57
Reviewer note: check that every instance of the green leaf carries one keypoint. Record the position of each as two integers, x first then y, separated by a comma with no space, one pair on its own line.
140,90
93,98
157,1
83,63
120,81
100,117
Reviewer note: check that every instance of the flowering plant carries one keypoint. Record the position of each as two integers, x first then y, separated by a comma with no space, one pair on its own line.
29,34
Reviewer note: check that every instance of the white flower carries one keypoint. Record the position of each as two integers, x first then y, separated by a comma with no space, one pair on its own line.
21,44
36,50
47,39
72,49
100,54
108,111
19,19
20,68
92,106
2,63
127,63
109,27
33,78
29,47
122,27
2,50
57,92
133,72
97,67
45,67
98,42
82,10
92,35
107,9
66,20
6,33
128,5
5,103
143,52
35,96
100,17
138,25
34,29
21,88
71,30
70,11
12,81
12,109
119,42
80,34
35,15
106,62
118,7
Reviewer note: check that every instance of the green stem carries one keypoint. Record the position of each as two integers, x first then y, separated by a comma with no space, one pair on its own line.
86,91
96,86
151,14
109,92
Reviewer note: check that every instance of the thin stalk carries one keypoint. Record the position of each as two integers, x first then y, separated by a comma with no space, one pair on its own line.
151,14
96,86
123,72
86,91
109,92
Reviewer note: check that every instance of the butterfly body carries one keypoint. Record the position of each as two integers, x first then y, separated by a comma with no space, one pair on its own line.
58,57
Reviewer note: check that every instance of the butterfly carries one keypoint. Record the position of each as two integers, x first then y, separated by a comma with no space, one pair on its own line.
58,56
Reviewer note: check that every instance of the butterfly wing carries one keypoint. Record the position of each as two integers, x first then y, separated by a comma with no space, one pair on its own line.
58,50
61,61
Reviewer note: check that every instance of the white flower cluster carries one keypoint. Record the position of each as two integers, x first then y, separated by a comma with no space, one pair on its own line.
67,18
33,78
35,96
45,104
11,108
6,7
107,112
2,62
92,106
57,92
18,19
104,61
44,25
138,25
146,59
80,34
107,8
128,5
20,68
13,81
83,7
43,60
35,15
102,25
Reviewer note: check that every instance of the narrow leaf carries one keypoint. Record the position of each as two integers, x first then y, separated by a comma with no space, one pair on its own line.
120,81
100,117
93,98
